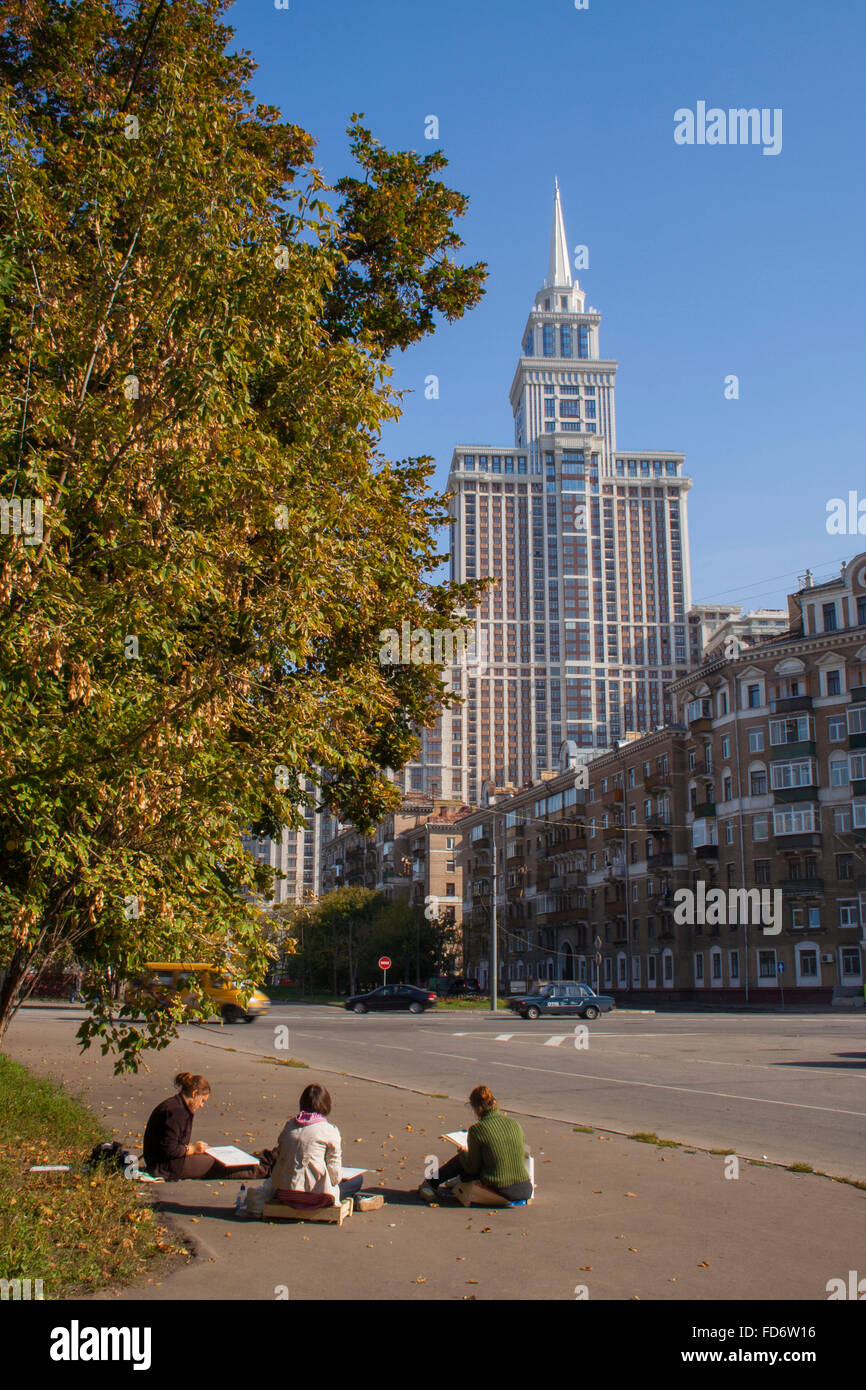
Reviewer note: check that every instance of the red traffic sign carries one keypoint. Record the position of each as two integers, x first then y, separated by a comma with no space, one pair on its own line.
384,962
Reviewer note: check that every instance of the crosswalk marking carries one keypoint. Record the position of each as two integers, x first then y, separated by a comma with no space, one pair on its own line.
555,1041
503,1037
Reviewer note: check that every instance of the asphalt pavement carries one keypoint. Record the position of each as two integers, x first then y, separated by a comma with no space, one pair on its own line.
613,1218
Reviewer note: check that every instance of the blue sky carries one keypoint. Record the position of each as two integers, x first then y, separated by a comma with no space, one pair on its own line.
704,261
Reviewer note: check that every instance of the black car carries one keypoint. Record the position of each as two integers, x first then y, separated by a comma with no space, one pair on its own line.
563,999
392,997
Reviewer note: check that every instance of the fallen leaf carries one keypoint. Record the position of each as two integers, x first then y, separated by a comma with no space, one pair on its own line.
633,1249
472,1281
586,1267
420,1279
703,1265
631,1194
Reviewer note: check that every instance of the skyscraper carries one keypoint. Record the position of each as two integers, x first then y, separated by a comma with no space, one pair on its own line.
589,546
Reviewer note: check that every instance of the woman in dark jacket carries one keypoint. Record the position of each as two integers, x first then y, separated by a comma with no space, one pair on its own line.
168,1152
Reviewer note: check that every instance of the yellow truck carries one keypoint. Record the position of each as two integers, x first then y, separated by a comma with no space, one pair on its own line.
164,981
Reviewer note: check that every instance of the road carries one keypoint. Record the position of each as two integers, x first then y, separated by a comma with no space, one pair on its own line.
791,1088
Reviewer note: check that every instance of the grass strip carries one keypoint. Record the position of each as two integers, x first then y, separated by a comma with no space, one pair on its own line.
75,1231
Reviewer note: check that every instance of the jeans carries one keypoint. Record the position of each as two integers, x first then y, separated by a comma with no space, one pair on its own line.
515,1192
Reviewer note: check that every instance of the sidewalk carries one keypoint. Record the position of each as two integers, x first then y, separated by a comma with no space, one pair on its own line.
621,1218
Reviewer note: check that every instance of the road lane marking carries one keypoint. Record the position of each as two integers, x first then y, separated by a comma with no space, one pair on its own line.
686,1090
503,1037
557,1040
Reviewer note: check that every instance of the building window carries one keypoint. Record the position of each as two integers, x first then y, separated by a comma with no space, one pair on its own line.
756,740
757,783
753,696
829,612
836,730
582,340
547,337
767,965
726,746
838,772
834,682
799,774
795,820
856,720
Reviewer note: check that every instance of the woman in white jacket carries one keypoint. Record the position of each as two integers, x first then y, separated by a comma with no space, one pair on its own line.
309,1159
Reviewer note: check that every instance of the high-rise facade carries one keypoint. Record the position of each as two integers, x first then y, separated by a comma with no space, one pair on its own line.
587,622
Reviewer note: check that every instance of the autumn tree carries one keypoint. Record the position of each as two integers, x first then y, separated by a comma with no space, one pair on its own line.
202,539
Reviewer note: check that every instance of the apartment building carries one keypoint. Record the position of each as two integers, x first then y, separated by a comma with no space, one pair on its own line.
638,857
776,802
413,855
534,836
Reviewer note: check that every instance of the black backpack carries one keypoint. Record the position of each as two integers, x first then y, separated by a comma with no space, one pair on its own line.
114,1158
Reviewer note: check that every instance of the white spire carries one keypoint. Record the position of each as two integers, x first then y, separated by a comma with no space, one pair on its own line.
559,274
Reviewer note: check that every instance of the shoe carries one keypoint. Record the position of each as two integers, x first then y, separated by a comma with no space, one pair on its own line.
369,1201
428,1194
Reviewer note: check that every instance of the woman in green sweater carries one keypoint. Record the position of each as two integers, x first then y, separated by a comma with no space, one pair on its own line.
494,1155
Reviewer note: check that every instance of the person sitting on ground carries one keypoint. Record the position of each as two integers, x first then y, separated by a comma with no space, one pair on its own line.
308,1167
167,1150
494,1155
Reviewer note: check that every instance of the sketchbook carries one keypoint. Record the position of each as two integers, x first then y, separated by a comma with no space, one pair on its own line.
351,1173
231,1157
458,1137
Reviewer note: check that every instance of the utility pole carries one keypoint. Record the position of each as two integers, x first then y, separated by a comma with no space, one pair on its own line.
494,953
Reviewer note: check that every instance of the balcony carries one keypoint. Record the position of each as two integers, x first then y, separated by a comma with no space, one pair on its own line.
663,860
658,782
791,704
782,795
810,886
792,844
705,809
858,694
613,833
660,824
614,908
665,903
706,851
805,748
702,725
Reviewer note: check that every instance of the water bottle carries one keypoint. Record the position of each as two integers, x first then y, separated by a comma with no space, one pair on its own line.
241,1201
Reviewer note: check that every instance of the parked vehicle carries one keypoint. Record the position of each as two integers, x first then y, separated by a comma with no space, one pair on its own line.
163,982
564,999
390,998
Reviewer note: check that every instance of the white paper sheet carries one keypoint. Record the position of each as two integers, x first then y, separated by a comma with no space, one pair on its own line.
460,1137
232,1157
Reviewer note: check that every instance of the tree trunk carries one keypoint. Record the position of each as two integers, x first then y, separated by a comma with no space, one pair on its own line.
12,977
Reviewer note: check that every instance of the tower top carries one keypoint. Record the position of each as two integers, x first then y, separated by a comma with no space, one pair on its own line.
559,272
